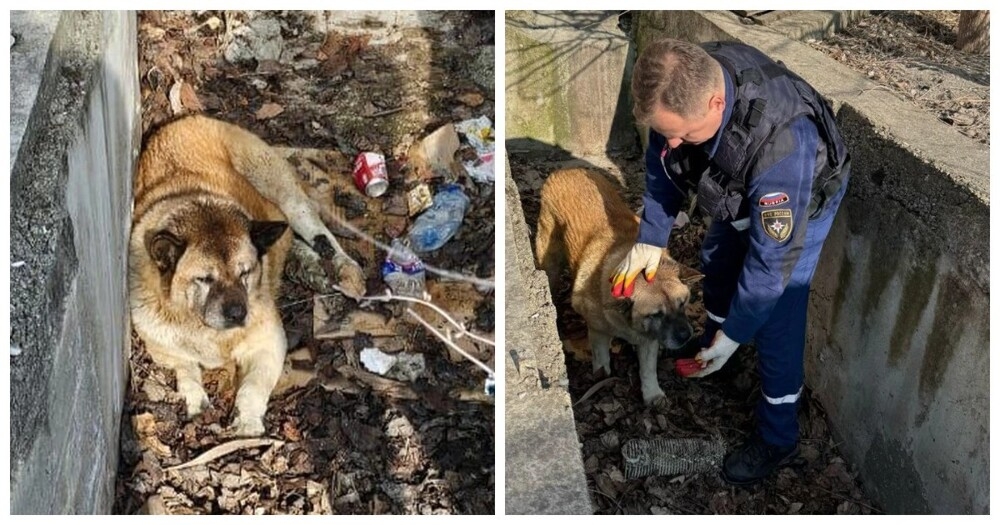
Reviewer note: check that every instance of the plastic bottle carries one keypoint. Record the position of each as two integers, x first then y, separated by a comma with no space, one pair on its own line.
403,271
441,221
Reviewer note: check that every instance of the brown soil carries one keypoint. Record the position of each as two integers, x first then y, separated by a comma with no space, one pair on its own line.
912,54
350,441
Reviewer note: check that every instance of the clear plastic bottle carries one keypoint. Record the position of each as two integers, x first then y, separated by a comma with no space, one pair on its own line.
441,221
403,271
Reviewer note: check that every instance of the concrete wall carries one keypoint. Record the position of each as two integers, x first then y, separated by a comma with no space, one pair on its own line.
565,81
898,342
73,156
544,468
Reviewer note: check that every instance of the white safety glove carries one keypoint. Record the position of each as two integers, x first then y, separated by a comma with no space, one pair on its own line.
643,258
716,355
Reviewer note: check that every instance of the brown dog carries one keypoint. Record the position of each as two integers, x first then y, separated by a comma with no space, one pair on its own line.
210,234
584,223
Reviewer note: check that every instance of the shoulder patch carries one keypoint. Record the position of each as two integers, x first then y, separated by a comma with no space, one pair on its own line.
777,224
773,199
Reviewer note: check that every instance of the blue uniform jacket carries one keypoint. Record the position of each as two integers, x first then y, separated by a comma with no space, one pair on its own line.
787,169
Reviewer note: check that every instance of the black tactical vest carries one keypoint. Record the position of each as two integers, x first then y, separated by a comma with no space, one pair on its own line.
768,98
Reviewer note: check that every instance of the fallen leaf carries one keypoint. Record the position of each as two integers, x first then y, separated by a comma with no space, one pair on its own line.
189,99
269,110
471,99
291,431
145,428
176,106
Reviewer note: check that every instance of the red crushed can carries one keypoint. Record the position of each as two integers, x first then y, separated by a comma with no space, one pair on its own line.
370,174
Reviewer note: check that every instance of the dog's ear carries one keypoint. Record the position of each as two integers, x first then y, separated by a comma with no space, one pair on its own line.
688,275
165,249
263,234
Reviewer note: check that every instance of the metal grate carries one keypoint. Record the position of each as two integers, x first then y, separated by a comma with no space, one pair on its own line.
666,457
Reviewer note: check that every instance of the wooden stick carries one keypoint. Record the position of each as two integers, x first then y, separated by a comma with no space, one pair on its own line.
593,390
224,449
382,385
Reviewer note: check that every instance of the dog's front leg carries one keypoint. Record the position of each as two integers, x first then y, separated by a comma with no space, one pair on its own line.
651,391
260,360
188,373
600,347
189,387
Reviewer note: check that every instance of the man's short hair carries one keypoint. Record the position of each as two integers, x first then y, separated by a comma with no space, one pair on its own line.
675,75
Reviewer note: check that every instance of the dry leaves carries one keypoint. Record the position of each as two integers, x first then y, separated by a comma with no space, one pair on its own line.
145,428
269,110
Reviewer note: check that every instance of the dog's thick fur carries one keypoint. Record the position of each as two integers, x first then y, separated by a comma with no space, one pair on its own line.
210,235
585,224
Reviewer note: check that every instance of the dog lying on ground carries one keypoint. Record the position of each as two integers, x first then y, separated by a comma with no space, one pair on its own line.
585,224
210,235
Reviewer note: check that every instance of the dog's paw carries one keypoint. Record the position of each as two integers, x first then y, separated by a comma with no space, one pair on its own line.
246,427
196,400
602,370
658,403
654,397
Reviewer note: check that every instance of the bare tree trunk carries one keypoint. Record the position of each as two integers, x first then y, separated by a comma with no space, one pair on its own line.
973,32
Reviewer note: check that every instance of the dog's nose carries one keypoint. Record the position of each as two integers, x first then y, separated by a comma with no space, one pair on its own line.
235,313
683,332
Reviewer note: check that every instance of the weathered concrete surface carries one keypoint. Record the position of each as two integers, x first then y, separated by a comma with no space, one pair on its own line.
898,342
544,469
33,32
566,80
71,182
801,25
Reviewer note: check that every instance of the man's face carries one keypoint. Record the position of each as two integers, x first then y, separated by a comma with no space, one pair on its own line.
693,130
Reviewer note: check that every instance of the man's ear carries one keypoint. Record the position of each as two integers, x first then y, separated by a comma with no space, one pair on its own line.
688,275
165,249
717,103
263,234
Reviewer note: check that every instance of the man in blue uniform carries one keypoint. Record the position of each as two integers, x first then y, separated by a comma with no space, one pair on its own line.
762,151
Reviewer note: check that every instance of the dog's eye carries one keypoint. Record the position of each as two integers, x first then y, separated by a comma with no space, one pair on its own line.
206,279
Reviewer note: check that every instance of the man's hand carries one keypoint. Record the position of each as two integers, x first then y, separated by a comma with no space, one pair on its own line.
641,258
716,355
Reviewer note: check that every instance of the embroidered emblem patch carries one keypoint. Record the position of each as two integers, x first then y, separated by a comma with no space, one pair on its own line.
777,224
773,199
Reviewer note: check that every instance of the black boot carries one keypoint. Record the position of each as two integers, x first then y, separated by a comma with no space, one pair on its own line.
755,460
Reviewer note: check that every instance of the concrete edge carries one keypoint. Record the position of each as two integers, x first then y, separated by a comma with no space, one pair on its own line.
42,234
964,160
540,493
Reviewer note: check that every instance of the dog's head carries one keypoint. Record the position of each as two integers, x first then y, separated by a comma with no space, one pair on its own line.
657,309
209,259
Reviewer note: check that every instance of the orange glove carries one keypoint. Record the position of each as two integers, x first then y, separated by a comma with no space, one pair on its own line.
643,258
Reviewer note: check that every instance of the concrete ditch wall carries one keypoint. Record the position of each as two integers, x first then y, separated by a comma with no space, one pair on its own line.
565,73
898,335
544,467
74,140
898,342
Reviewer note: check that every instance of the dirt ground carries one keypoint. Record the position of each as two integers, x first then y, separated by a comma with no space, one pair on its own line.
339,439
912,54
